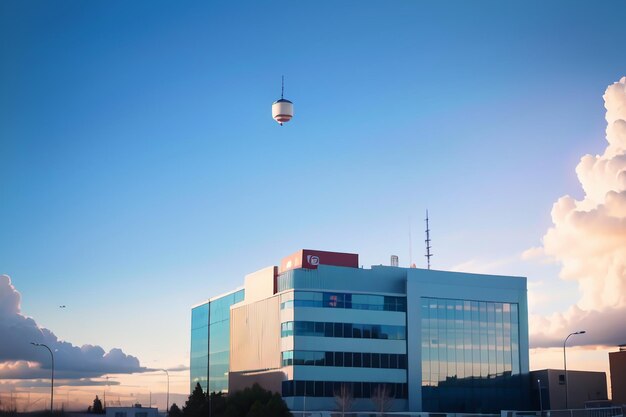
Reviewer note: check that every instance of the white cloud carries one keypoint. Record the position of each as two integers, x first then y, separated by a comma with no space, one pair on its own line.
588,240
20,360
481,266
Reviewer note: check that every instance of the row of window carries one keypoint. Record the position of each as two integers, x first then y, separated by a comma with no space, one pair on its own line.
468,339
333,388
346,359
346,330
343,300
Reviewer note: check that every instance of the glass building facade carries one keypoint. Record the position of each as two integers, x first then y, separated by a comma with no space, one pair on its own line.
470,355
210,343
199,354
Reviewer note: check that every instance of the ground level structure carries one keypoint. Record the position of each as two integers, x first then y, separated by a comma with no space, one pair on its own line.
321,330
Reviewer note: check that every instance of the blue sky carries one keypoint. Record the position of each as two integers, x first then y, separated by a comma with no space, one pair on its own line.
140,169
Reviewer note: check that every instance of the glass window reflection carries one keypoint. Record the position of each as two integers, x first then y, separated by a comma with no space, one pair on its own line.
465,342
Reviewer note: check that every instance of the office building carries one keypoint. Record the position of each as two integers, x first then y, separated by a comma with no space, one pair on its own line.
617,364
584,388
136,411
413,339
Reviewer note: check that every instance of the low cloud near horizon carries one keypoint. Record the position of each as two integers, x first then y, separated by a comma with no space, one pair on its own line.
588,240
20,360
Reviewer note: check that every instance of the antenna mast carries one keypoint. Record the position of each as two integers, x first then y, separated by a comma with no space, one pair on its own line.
410,246
428,247
282,89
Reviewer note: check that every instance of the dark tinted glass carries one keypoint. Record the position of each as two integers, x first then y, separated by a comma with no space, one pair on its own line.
367,360
330,359
338,358
375,360
347,359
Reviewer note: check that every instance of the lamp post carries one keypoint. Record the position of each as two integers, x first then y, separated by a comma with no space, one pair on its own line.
167,401
540,399
565,362
52,378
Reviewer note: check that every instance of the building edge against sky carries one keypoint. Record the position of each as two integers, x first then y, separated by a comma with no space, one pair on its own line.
431,340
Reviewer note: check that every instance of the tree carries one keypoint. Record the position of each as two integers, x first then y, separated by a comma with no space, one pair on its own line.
382,398
217,402
175,411
258,410
253,401
239,404
97,406
276,407
196,405
344,399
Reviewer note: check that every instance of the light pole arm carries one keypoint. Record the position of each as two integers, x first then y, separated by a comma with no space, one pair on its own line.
167,410
565,363
52,376
565,367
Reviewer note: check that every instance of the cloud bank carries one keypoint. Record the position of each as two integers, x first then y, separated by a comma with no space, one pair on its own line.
588,239
20,360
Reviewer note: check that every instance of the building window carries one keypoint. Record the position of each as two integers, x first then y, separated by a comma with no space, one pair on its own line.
120,414
331,388
342,300
344,330
344,359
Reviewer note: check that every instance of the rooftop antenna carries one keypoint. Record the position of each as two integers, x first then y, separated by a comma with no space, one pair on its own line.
410,246
428,247
282,88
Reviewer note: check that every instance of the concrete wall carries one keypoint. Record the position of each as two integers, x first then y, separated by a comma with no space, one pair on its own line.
255,336
260,284
583,386
270,380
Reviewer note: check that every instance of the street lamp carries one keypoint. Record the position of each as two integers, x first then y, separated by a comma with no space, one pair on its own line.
540,399
167,410
52,378
565,362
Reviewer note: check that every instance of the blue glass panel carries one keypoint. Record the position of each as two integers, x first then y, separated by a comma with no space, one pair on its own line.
343,330
470,356
210,342
199,349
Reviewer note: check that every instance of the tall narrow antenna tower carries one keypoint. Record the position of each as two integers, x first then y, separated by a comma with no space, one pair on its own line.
410,246
428,247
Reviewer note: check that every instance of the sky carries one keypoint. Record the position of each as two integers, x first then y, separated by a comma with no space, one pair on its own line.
141,171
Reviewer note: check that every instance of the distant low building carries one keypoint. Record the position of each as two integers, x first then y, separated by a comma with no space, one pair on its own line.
583,388
617,363
136,411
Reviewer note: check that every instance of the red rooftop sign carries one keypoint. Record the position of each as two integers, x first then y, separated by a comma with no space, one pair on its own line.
310,259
